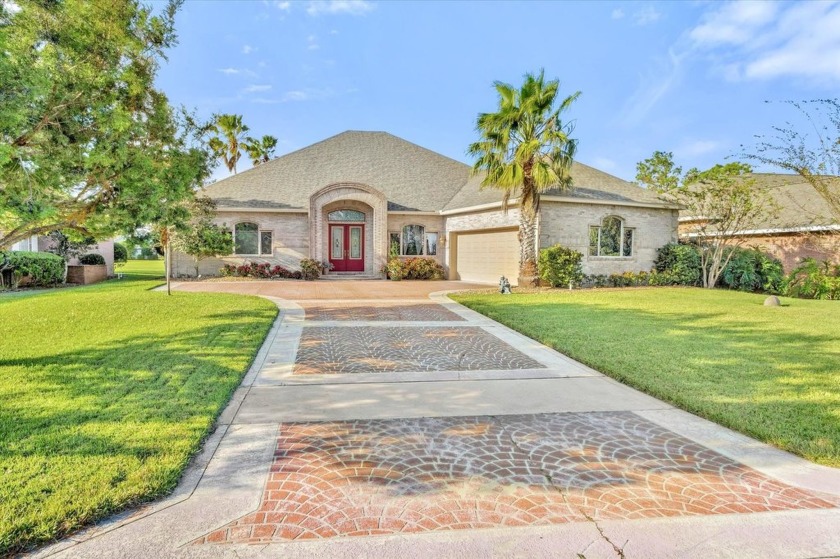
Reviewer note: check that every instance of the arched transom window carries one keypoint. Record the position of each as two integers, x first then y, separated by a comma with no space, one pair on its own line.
413,240
611,238
346,215
249,240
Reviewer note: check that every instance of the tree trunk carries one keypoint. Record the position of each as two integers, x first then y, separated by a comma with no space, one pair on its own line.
527,247
167,261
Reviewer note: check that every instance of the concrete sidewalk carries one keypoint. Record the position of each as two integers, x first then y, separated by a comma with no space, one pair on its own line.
456,436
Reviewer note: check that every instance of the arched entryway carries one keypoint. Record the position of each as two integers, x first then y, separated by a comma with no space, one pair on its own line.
348,223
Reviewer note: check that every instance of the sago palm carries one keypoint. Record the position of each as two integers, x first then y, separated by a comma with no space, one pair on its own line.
525,149
229,138
260,151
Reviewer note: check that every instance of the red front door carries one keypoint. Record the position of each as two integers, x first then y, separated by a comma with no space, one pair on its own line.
347,248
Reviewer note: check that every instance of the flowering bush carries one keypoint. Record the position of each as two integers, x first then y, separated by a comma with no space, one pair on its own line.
416,268
262,270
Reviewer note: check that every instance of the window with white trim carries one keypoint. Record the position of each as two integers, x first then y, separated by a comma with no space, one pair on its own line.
611,238
250,241
413,240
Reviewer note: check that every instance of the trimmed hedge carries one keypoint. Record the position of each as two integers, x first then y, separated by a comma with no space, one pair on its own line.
92,259
262,270
42,268
120,253
415,268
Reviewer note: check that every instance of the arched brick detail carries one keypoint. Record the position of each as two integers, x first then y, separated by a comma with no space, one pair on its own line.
377,222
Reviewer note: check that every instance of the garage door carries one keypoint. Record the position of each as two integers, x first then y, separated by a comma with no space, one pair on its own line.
487,255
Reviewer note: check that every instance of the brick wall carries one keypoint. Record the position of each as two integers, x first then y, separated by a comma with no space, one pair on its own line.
432,223
791,249
568,224
290,242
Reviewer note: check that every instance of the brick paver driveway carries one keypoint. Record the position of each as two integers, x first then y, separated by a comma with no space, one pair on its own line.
382,420
384,476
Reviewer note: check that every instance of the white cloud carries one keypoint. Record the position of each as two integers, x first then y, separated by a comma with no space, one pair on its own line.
653,87
331,7
247,49
646,16
256,88
296,95
312,43
763,40
734,23
617,13
237,71
283,6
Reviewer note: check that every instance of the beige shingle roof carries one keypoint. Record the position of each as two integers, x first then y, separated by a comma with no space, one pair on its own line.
411,177
800,206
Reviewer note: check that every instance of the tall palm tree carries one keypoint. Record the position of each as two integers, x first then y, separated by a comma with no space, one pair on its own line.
229,140
525,149
260,151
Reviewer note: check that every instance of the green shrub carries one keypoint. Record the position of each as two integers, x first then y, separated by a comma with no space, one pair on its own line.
42,268
679,264
310,269
120,253
752,270
92,259
814,280
395,269
560,266
423,269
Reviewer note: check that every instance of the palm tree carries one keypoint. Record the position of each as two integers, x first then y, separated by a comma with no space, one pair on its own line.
525,150
229,140
260,151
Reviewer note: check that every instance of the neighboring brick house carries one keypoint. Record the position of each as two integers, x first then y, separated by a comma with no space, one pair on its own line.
352,197
803,228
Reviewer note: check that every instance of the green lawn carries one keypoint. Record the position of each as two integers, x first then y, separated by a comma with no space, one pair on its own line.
142,268
107,391
770,372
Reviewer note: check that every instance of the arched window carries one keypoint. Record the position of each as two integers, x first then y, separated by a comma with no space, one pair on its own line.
246,238
346,215
413,240
611,238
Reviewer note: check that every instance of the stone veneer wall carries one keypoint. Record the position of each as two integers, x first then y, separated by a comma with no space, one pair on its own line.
568,224
290,242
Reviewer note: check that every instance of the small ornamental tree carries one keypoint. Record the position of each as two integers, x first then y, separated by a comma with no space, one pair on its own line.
810,149
721,202
201,238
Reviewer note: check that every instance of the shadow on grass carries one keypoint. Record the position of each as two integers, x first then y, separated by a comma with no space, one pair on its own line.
89,431
768,376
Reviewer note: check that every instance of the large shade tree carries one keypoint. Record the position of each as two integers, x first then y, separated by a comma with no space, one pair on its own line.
86,140
525,149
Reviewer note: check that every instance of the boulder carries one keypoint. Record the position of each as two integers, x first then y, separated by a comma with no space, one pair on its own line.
772,301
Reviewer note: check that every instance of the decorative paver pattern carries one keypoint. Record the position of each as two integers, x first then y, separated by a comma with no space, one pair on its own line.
414,475
373,349
426,312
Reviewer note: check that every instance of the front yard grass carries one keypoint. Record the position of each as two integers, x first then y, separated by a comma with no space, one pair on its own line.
107,391
770,372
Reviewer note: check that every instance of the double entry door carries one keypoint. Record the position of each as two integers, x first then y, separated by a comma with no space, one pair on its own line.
347,248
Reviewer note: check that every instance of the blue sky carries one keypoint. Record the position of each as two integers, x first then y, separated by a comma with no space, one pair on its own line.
687,77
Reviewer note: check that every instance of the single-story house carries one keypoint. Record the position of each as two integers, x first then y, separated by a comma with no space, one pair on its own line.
803,227
357,197
42,243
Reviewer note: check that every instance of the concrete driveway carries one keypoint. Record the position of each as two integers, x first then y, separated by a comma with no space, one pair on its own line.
381,419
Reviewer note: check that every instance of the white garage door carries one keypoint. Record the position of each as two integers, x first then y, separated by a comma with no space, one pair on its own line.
488,255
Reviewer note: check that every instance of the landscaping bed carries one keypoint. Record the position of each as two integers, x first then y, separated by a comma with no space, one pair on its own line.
770,372
108,391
